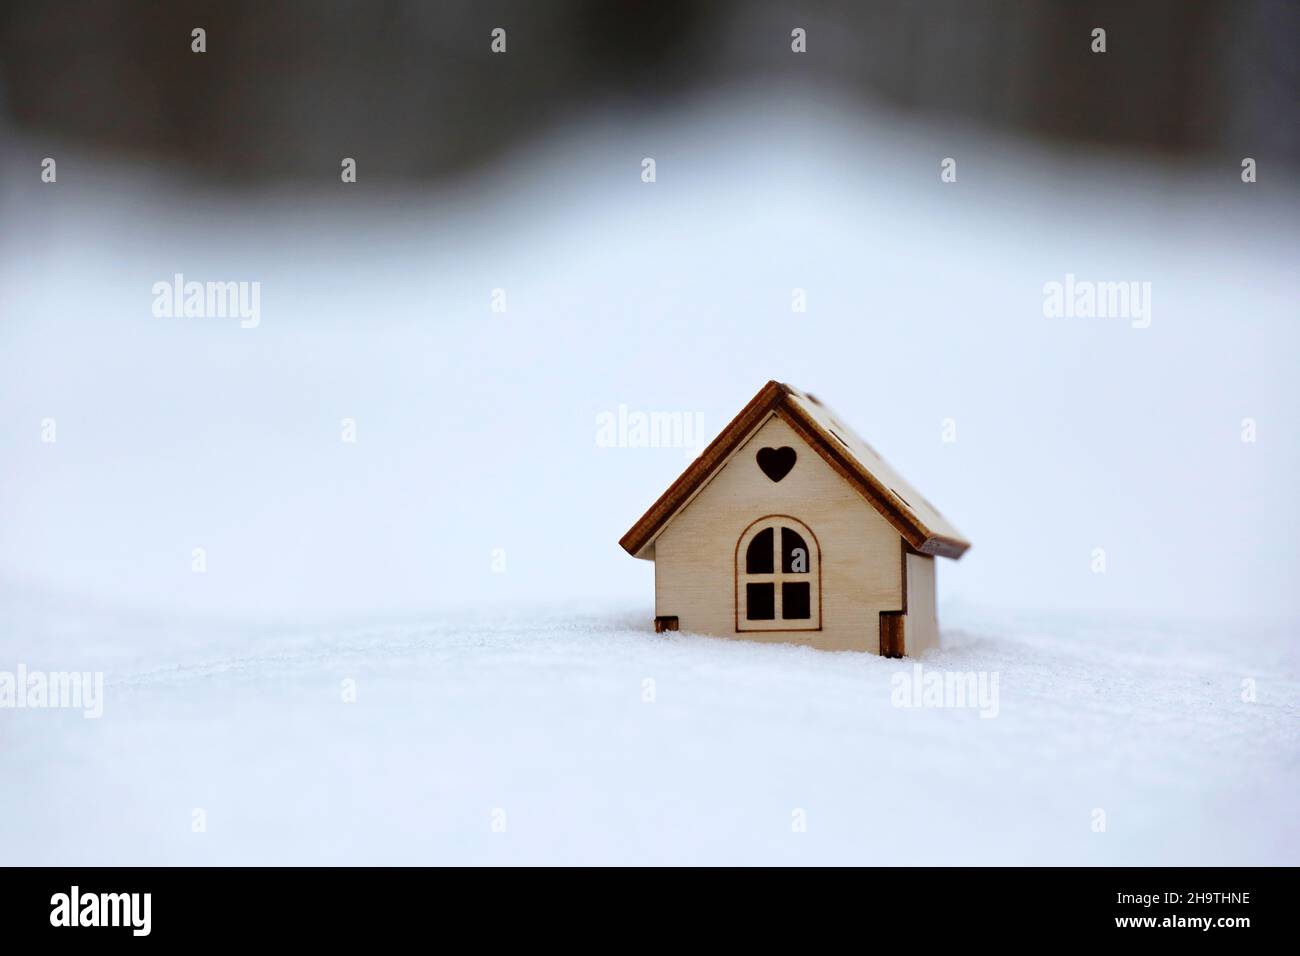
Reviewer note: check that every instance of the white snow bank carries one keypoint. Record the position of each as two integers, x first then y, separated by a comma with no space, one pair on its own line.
539,720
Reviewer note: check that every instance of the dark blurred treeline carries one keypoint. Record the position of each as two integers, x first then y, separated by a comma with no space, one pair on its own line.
288,85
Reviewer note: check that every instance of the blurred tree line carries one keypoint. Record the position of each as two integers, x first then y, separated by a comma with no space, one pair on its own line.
288,85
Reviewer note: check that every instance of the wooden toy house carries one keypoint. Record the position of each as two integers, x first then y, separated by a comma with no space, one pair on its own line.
789,527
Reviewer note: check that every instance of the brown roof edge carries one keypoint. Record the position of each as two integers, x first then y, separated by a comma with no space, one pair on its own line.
865,485
904,522
639,535
772,397
944,547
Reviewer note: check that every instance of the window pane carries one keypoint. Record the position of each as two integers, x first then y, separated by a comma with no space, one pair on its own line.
758,557
794,553
760,602
795,601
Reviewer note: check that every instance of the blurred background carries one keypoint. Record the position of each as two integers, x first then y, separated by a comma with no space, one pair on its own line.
500,276
399,478
415,89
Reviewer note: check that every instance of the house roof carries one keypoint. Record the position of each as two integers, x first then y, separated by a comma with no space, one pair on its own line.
918,521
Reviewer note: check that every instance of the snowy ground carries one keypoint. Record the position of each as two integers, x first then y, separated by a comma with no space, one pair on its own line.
543,716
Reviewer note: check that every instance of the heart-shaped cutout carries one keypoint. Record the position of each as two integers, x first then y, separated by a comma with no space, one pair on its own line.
776,462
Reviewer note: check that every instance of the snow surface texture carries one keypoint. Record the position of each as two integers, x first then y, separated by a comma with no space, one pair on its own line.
544,716
374,561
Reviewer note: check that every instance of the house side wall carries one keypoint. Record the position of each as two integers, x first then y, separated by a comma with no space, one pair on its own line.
921,623
861,566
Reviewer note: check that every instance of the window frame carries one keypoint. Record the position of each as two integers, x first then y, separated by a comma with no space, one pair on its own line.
813,576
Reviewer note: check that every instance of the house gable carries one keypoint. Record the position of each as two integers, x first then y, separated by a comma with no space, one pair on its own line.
917,521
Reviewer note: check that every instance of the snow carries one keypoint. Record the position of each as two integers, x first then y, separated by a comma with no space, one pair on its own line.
544,715
520,688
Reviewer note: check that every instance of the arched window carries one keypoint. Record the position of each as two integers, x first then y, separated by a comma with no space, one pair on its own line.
778,577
